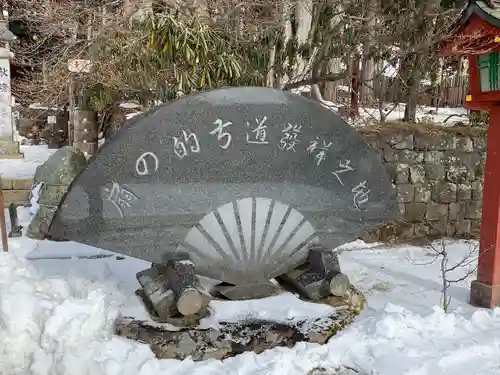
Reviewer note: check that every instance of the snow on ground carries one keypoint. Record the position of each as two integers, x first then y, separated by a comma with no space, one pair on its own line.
56,317
445,116
25,168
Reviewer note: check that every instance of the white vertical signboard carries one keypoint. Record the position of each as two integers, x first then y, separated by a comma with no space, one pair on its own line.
5,96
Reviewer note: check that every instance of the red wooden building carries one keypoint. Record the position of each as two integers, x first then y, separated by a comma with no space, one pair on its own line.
477,36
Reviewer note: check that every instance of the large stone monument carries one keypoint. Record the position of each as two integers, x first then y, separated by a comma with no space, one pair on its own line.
251,187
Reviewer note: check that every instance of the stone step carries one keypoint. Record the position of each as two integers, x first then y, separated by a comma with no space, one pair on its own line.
16,190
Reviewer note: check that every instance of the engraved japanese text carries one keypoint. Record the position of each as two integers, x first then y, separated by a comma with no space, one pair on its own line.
120,197
361,194
290,138
344,166
319,149
222,133
186,144
259,133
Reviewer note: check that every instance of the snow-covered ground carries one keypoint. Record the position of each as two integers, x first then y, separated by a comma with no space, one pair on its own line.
56,318
26,167
445,116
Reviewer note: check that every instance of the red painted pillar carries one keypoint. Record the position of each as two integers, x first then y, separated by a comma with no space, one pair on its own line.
485,291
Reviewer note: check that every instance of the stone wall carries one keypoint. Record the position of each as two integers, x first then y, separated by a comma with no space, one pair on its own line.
438,174
16,190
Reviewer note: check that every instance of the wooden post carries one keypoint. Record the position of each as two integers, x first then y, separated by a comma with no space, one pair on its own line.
85,132
3,224
485,291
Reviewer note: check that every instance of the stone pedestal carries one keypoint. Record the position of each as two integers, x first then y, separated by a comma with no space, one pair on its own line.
484,295
10,150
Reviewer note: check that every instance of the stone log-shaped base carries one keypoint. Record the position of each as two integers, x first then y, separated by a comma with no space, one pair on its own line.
172,288
235,338
318,277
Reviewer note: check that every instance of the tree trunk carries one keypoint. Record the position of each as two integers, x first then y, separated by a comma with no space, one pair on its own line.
287,35
412,89
368,63
355,84
428,23
436,83
270,78
303,17
335,63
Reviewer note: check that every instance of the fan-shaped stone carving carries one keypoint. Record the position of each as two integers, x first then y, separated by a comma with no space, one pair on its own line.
254,235
173,180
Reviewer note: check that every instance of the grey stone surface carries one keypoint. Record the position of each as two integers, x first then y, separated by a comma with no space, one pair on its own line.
406,193
459,173
435,171
402,173
463,227
447,184
456,211
437,211
433,157
465,144
402,156
473,210
61,167
56,174
479,143
444,192
477,190
252,291
402,141
417,174
415,212
195,176
464,192
319,277
430,142
422,193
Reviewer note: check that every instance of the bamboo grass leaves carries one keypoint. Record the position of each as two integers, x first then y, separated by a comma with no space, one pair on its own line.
193,56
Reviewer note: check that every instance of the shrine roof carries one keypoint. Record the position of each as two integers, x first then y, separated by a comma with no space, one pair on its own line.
488,10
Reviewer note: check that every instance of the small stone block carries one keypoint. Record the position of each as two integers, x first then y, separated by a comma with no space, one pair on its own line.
6,183
435,171
11,156
436,211
22,184
324,262
16,196
465,144
415,212
252,291
405,192
422,193
310,285
473,210
464,192
417,174
463,227
444,192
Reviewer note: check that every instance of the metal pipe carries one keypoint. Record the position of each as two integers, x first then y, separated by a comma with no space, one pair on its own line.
15,228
